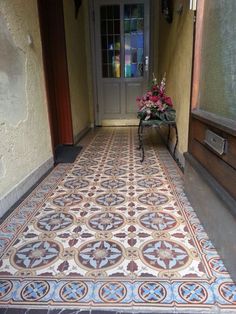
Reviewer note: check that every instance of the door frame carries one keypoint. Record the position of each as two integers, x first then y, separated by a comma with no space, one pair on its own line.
56,71
92,34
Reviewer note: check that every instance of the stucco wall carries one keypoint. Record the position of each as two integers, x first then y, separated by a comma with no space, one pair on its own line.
175,58
77,65
24,128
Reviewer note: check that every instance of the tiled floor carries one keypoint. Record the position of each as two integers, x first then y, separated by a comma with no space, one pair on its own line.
108,232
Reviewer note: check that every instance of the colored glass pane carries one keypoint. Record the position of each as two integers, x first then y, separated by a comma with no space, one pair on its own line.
140,40
133,25
110,40
140,55
127,41
140,25
134,39
127,26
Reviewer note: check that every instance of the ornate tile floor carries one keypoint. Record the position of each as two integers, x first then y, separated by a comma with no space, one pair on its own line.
110,233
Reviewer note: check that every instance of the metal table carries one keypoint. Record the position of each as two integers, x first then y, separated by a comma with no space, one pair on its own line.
158,124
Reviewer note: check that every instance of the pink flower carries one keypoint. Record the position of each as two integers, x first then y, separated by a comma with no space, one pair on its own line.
155,88
160,106
168,101
154,98
154,101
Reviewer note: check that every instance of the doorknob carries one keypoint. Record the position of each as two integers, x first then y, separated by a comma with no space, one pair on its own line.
146,63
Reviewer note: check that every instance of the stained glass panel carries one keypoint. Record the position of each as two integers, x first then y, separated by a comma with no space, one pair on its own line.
140,25
127,26
140,56
127,42
110,40
117,27
134,43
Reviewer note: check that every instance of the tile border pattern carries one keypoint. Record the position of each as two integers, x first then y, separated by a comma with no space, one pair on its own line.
182,295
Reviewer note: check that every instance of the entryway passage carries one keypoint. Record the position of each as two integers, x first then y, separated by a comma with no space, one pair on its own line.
122,57
109,233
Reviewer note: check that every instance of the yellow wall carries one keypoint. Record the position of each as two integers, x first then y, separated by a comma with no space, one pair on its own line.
175,58
90,78
25,142
77,65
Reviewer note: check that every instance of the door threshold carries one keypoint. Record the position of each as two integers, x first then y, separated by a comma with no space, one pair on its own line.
120,122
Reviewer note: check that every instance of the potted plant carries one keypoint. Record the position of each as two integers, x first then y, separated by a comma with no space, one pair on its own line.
155,104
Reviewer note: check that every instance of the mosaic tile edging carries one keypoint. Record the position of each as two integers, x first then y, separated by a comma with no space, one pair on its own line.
93,293
128,286
207,249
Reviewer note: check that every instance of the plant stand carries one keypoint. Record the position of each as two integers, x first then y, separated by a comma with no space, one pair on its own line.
158,124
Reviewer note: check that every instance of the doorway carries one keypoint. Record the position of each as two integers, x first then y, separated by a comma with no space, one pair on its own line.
51,19
121,41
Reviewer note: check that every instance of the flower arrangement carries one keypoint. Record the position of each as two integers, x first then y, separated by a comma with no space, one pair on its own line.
155,104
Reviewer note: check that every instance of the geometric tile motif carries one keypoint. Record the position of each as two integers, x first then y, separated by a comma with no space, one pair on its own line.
100,254
154,199
165,255
5,287
76,183
193,292
106,221
113,292
217,265
160,221
110,231
152,292
36,254
73,291
35,291
110,199
55,221
113,184
228,292
67,199
150,183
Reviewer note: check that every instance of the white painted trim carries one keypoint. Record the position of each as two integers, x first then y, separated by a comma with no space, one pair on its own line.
154,38
93,60
9,199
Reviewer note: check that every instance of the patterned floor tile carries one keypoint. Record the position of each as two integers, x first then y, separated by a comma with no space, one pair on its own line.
109,232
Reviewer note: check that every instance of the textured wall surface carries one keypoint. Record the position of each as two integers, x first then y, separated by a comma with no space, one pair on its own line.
24,128
77,65
175,58
12,78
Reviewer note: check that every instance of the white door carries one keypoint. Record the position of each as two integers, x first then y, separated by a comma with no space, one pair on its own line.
122,57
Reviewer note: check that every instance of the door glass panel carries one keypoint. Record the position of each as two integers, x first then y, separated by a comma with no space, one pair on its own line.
134,43
110,40
218,59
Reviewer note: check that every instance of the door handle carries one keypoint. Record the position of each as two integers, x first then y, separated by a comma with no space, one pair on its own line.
146,63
